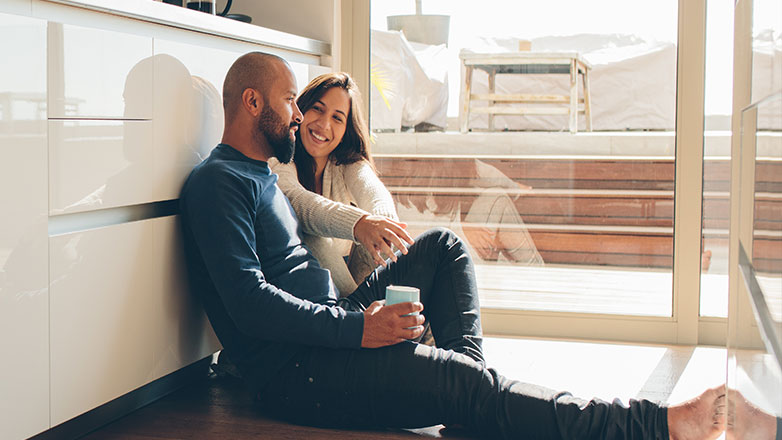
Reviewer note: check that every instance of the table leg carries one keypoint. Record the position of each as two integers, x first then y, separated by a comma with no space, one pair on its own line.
587,100
573,113
492,90
466,90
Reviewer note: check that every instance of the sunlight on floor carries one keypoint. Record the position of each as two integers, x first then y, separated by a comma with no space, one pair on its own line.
608,371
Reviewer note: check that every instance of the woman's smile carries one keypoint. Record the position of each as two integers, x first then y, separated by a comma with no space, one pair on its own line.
325,123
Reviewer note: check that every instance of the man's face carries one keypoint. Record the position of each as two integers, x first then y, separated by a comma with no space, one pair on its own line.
280,116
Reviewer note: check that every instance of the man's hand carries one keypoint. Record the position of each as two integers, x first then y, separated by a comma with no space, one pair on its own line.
386,325
378,233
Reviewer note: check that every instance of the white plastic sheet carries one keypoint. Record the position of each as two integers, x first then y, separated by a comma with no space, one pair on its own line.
409,83
767,77
632,82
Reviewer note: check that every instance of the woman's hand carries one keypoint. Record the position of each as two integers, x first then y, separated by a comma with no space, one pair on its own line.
378,234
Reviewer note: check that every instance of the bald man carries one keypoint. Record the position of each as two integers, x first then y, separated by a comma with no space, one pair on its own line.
313,359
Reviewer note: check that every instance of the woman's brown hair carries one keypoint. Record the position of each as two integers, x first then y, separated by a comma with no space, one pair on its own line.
355,142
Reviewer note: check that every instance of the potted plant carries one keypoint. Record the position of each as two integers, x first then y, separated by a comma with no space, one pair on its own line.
427,29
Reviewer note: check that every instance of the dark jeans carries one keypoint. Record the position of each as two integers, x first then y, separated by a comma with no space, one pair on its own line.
412,385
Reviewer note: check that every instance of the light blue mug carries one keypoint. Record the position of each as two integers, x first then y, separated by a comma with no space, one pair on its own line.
401,294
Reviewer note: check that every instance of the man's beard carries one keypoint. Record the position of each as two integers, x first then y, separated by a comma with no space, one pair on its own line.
277,134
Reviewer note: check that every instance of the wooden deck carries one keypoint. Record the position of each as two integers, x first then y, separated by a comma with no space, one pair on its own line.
621,291
582,210
580,290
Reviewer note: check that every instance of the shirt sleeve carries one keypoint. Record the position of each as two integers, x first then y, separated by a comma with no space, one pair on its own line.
370,193
220,215
318,215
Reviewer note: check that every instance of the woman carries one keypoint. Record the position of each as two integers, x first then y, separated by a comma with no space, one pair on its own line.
333,187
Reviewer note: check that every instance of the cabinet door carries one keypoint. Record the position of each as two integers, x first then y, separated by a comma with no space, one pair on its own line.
182,333
24,297
101,291
96,73
99,164
121,316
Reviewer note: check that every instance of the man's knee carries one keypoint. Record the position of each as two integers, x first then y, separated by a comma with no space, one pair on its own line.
441,236
442,243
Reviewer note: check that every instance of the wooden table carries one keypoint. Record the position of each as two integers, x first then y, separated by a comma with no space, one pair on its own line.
520,63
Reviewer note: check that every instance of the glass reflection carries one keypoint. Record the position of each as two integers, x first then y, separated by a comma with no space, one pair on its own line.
534,225
103,164
755,376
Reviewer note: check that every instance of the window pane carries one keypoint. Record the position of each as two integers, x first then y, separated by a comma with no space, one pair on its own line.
558,217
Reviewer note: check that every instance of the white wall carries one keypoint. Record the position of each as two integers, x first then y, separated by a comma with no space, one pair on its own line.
308,18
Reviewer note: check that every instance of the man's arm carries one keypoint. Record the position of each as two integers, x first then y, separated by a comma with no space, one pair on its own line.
220,216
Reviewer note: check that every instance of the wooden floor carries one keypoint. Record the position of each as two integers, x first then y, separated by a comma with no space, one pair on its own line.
220,409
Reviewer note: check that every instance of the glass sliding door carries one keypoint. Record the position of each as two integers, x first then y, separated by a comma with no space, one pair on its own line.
548,142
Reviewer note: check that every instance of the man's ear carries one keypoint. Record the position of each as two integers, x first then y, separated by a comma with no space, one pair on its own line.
252,101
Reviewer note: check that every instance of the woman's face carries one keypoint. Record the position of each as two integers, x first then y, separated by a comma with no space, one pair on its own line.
324,123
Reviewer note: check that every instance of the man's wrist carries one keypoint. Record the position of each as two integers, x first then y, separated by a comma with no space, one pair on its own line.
354,331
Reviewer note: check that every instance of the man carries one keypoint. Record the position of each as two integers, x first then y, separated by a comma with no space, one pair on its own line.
349,363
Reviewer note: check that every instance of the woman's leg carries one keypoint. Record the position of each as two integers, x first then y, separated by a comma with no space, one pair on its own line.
360,263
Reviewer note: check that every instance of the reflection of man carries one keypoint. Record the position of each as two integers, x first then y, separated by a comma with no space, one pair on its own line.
748,422
306,355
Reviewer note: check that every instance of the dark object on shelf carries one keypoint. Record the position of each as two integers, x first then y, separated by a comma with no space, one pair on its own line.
173,2
226,9
207,6
240,17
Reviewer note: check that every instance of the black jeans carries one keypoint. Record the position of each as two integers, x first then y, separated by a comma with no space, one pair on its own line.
410,385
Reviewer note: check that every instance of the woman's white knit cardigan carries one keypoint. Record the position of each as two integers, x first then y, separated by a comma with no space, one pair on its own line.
349,193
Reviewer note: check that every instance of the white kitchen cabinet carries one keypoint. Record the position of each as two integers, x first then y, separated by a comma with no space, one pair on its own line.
102,116
181,331
18,7
96,73
100,293
98,164
24,296
121,315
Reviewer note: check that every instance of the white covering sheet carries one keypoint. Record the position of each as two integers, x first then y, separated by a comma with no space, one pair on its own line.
767,77
409,82
632,82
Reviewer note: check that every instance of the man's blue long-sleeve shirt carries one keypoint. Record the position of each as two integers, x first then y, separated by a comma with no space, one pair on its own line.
263,291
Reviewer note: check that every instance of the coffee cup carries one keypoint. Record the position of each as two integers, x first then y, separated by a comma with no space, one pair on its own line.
401,294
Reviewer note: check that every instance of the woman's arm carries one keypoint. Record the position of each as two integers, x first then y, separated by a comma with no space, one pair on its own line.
326,218
370,193
373,196
318,215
